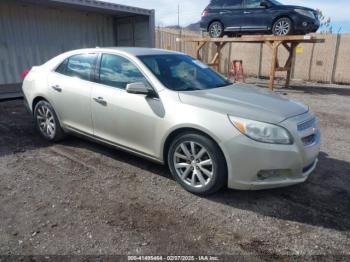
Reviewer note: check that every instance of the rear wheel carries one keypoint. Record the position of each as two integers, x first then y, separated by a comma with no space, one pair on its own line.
216,29
47,122
282,26
197,163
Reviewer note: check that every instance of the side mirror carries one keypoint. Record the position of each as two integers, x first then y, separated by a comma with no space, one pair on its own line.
264,3
137,88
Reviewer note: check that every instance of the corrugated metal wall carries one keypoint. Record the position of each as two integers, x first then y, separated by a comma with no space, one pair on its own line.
133,31
32,34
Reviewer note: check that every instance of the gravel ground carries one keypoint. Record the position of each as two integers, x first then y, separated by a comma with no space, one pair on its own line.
79,197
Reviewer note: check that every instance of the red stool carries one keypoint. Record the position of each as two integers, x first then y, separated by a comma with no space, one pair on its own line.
236,71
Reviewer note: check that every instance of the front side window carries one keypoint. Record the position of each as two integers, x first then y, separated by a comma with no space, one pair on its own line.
253,4
233,4
117,71
80,66
183,73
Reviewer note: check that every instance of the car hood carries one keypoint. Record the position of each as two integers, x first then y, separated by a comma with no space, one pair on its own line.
246,101
298,7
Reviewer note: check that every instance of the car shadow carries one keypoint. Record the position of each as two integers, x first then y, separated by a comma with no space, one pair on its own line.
321,90
310,89
321,201
117,154
17,131
324,200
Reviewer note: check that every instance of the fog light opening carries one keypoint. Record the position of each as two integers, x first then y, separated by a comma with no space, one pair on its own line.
271,174
305,24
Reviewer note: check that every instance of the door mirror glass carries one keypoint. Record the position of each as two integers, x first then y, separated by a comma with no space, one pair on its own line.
137,88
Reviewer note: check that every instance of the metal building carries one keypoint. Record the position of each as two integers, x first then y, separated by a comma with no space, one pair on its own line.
33,31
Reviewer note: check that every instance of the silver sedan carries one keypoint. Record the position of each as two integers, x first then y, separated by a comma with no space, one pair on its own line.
175,110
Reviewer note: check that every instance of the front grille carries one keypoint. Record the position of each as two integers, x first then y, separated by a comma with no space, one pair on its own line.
308,131
312,123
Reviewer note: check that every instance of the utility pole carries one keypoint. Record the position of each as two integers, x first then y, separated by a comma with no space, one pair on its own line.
180,29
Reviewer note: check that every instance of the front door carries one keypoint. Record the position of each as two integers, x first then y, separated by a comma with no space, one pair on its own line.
124,119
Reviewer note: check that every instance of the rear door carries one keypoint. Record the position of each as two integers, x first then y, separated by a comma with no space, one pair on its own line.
70,89
255,17
232,15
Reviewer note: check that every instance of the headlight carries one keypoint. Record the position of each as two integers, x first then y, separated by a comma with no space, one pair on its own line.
305,13
262,132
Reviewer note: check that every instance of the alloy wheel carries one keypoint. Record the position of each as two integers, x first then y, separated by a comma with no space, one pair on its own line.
193,164
46,121
216,30
282,28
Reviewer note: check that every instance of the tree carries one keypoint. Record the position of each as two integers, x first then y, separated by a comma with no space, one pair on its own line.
325,23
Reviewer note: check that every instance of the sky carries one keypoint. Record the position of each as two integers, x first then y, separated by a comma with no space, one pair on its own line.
190,10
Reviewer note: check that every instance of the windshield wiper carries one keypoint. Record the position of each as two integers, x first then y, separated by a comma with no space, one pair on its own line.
225,84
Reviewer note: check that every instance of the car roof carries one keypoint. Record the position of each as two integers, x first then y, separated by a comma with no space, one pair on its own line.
137,51
134,51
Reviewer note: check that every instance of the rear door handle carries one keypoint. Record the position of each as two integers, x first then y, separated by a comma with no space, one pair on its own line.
246,12
57,88
224,12
100,100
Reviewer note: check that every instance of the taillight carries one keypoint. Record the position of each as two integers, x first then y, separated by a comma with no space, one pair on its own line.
24,74
205,13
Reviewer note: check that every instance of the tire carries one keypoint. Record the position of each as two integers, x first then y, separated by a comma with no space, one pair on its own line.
47,123
216,29
282,26
201,169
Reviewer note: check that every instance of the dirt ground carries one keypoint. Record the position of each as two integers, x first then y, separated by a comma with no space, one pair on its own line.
79,197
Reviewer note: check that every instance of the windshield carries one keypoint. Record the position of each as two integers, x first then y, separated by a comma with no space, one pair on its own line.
183,73
275,2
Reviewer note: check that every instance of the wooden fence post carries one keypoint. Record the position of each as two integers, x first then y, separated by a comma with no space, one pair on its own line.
335,57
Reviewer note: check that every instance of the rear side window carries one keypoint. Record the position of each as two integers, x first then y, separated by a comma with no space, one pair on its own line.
80,66
233,4
217,3
117,71
62,67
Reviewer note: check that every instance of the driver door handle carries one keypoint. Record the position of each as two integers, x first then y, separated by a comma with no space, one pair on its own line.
100,100
247,12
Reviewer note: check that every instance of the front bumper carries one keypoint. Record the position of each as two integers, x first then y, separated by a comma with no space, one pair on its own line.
287,164
304,24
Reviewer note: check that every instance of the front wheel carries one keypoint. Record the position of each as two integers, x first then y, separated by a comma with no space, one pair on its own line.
282,26
216,30
197,163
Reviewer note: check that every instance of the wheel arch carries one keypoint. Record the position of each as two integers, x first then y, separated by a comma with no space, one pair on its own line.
282,16
36,100
215,20
174,133
39,98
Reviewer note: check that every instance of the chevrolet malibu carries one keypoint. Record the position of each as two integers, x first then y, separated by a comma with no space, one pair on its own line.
175,110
